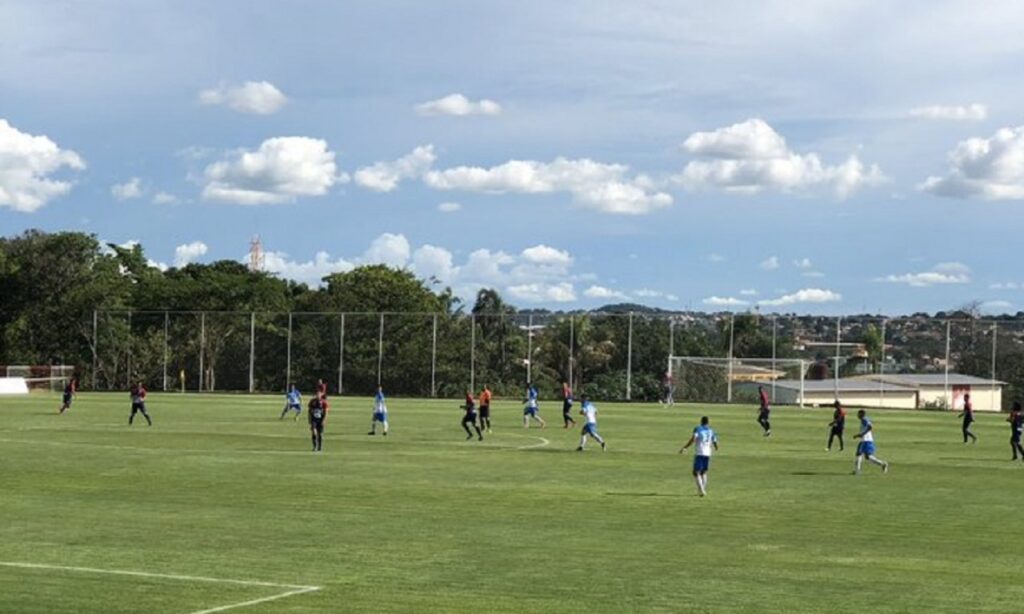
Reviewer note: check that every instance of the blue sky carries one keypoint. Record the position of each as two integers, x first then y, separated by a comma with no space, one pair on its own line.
822,157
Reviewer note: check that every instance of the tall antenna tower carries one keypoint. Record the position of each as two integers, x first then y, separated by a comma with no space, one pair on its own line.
256,258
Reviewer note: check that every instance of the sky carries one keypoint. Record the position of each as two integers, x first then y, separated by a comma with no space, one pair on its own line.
815,157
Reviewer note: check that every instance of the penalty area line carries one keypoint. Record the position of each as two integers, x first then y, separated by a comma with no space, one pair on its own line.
293,589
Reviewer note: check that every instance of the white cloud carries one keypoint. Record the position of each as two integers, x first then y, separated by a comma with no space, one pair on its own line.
543,254
996,306
257,97
748,292
449,207
310,272
1007,285
991,168
603,293
280,170
390,249
164,198
189,252
161,266
769,264
385,176
803,263
751,157
127,190
942,273
724,301
432,261
457,104
972,112
26,164
603,187
562,292
807,295
648,293
815,274
715,258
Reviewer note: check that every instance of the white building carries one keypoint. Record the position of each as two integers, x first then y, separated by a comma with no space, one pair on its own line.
900,391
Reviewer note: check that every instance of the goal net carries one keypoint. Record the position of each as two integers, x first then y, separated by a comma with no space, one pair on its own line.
41,378
702,379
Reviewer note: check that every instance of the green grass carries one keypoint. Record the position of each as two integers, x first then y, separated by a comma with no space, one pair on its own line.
427,522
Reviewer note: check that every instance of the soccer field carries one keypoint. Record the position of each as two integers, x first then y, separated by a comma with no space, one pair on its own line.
221,506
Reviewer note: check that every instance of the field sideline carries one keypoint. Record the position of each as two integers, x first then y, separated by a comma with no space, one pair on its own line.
220,504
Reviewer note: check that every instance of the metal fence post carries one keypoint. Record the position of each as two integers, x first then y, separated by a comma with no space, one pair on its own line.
252,352
341,356
202,349
835,371
881,370
288,364
167,326
472,351
529,349
572,348
95,346
732,339
949,404
629,360
992,384
128,357
775,334
433,361
380,348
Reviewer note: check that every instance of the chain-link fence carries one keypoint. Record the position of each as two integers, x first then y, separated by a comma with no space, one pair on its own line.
894,362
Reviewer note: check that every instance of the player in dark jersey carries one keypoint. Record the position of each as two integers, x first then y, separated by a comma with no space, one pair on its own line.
763,412
837,425
567,400
317,412
968,415
1016,421
69,395
469,419
138,394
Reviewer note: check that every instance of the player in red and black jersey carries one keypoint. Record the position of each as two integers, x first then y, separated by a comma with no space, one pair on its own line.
837,425
321,388
763,412
317,413
69,395
968,415
470,418
138,394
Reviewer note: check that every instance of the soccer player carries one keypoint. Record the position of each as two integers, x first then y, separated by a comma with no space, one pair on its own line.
763,412
866,447
706,441
968,415
485,409
532,409
380,413
836,426
469,419
589,410
69,395
138,394
292,402
321,389
317,414
669,389
567,405
1016,421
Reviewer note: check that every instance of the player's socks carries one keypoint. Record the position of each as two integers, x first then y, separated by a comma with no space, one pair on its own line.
583,441
313,438
860,461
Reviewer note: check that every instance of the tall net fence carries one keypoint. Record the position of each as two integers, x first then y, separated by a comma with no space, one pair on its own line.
921,362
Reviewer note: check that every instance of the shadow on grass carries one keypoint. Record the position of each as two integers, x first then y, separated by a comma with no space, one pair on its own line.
831,473
642,494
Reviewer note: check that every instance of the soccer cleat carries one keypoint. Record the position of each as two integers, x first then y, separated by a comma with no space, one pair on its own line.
480,437
604,446
372,433
385,433
579,449
885,468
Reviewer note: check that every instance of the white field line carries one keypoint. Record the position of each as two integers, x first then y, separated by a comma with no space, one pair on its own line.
293,589
543,441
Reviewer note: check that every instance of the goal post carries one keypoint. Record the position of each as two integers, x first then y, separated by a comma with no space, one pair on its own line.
40,378
703,379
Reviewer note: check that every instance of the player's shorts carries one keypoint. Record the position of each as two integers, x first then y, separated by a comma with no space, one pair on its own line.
469,418
1015,436
866,448
566,407
701,464
837,430
67,399
590,429
530,411
297,407
764,413
485,411
138,406
317,426
380,416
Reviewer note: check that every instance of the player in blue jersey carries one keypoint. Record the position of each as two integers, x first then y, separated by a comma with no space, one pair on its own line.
705,441
866,447
532,408
292,402
589,410
380,413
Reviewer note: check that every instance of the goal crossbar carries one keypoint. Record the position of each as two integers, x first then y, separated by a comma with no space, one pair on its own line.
761,371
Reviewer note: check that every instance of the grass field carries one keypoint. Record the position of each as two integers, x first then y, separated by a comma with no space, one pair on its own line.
219,490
